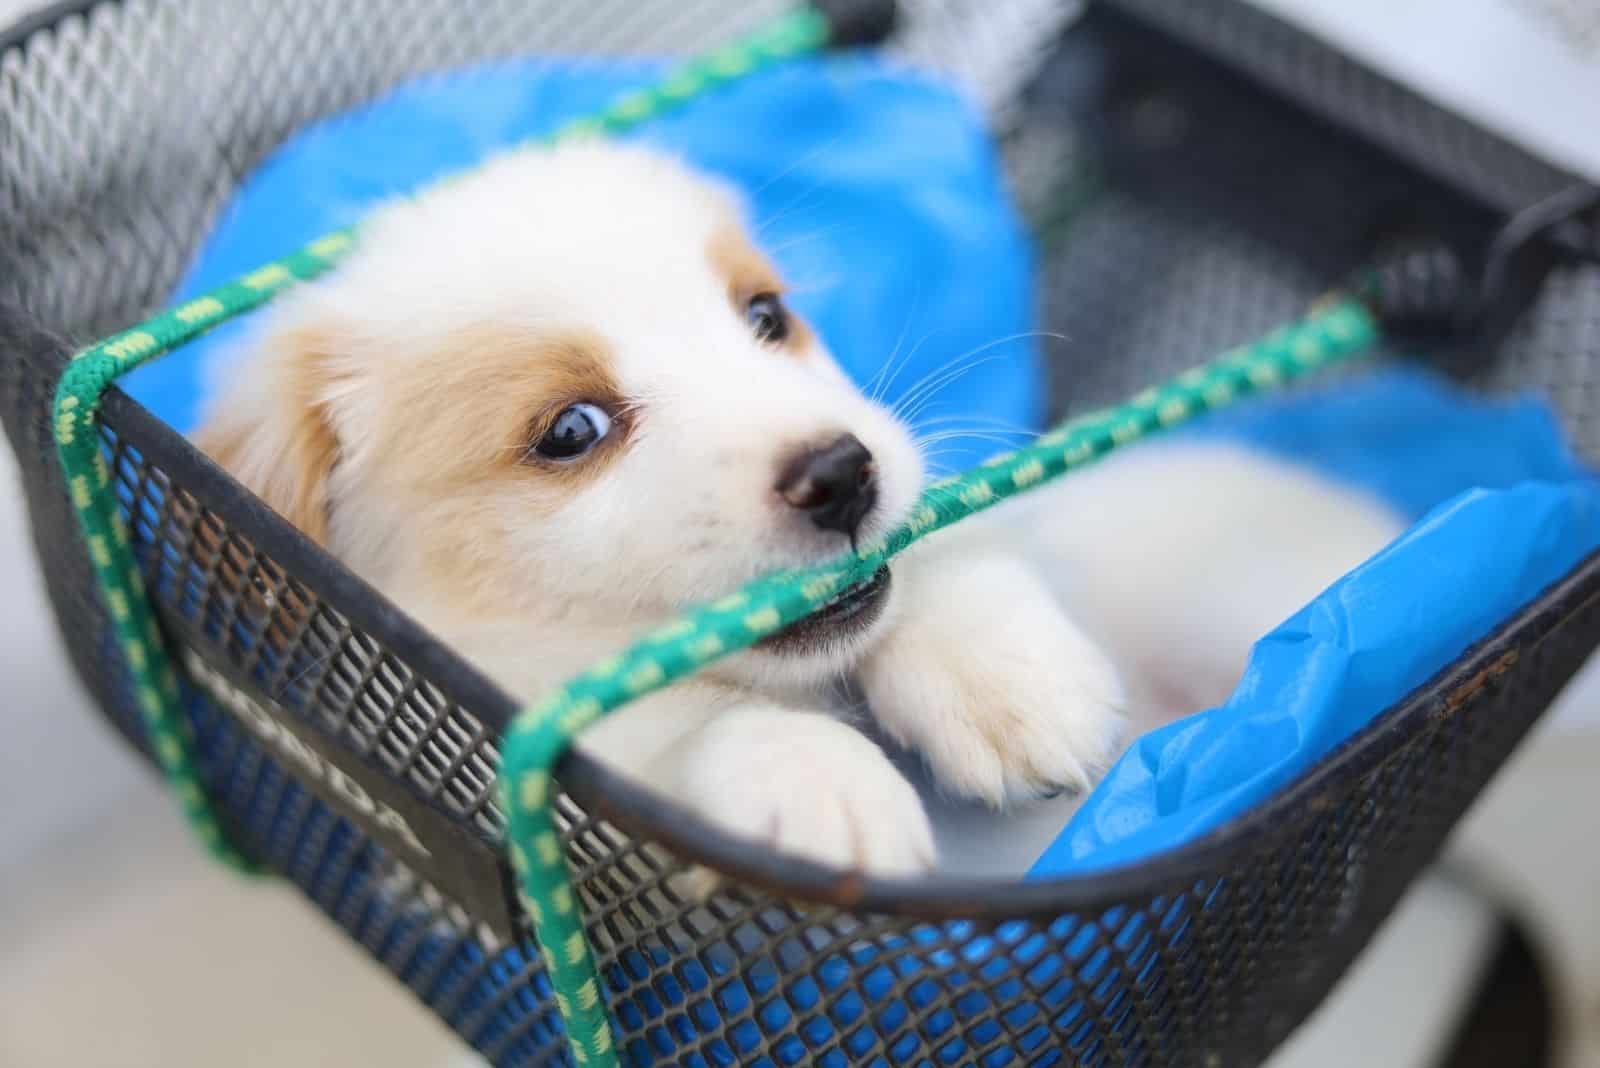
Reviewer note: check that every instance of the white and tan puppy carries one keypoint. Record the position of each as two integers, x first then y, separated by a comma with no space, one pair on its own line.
555,403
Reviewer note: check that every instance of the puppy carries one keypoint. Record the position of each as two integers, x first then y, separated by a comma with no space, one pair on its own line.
552,404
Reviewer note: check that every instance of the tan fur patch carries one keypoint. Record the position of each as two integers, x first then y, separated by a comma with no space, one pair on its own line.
748,274
473,410
456,426
282,448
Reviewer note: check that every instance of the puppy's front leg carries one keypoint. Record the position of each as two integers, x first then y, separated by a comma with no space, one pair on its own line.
802,782
984,674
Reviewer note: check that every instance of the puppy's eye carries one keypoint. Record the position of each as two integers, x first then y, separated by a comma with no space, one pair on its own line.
768,318
576,430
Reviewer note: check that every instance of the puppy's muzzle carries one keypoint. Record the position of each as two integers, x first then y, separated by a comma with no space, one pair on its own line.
836,486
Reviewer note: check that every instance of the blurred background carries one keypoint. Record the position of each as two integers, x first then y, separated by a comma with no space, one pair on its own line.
1495,959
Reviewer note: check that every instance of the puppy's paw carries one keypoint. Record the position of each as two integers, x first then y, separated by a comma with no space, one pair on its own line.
1004,697
810,786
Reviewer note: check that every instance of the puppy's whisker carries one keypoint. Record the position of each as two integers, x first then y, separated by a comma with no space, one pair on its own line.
799,161
977,422
816,285
917,388
937,464
801,239
1012,439
975,435
788,209
942,377
913,404
909,356
636,603
874,388
889,365
953,361
942,447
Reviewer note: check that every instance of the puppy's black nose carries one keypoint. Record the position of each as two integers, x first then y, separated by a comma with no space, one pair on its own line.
836,485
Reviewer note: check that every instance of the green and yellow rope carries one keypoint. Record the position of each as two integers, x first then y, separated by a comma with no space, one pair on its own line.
540,735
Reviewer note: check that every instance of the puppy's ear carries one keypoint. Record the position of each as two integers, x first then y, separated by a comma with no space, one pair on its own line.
271,430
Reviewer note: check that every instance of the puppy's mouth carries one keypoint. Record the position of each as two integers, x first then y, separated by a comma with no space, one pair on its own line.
848,614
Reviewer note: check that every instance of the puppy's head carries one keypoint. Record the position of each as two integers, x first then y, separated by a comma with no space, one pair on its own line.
567,388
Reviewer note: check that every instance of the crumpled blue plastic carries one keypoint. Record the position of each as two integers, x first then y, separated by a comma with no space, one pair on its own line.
1502,510
876,190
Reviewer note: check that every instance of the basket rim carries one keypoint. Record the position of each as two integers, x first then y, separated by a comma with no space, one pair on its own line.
16,34
639,810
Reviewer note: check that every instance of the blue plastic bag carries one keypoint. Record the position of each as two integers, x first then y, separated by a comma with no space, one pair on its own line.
877,192
1503,509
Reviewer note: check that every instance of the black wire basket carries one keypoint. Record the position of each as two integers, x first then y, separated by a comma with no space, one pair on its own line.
1137,143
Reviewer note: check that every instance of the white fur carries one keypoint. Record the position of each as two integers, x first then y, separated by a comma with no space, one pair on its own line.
1003,654
986,676
1177,557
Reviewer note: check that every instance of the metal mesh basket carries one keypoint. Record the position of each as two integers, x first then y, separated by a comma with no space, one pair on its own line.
128,124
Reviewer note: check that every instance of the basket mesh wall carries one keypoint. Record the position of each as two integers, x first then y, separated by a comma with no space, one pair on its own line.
1164,241
108,189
